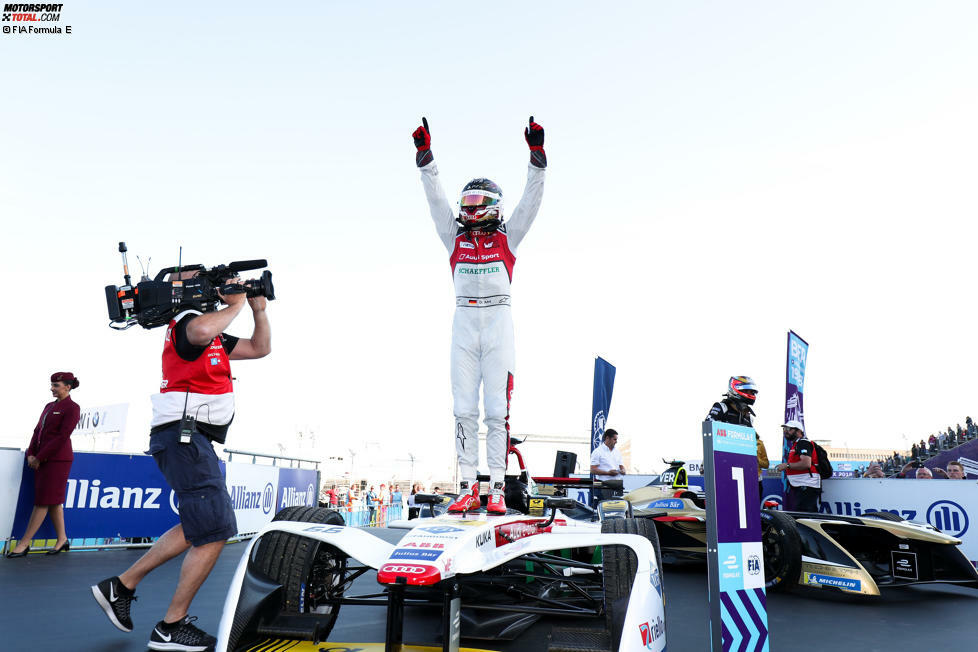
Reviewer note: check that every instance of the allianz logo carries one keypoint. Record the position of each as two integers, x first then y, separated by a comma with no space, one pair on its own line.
844,508
293,497
90,494
947,516
243,498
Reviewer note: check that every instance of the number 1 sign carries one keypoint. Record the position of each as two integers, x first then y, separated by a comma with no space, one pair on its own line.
738,605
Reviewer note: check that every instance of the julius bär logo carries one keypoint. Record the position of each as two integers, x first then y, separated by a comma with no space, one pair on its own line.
25,19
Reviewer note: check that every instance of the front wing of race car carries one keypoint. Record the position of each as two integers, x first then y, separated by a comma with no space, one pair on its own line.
465,553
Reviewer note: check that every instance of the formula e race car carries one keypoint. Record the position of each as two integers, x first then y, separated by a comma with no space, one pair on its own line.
487,578
856,555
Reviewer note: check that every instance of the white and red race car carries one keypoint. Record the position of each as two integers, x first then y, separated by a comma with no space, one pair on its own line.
490,578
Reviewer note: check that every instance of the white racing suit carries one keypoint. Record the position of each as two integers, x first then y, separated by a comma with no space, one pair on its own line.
482,331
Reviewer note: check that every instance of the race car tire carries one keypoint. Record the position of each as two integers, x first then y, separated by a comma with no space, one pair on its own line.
619,565
782,550
304,567
886,516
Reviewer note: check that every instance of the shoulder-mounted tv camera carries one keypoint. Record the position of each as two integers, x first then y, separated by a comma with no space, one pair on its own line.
152,303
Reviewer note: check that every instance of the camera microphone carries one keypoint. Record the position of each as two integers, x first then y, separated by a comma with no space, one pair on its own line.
246,265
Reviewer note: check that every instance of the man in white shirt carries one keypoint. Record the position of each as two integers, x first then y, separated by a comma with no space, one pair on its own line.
606,462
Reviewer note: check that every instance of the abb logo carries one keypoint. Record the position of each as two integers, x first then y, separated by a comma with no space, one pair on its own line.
402,570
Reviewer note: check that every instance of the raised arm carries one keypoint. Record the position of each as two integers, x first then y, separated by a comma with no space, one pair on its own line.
441,210
525,212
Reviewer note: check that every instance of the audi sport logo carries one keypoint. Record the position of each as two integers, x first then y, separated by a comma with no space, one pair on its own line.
402,570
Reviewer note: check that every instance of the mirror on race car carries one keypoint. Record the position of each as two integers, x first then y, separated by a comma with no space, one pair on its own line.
614,483
555,502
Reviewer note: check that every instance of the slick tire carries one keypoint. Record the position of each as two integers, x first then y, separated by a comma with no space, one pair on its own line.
886,516
306,568
782,550
619,566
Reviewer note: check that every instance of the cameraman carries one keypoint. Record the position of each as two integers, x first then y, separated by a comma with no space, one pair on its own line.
196,397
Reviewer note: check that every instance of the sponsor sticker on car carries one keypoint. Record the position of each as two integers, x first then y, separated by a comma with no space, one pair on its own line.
904,565
411,553
666,503
817,579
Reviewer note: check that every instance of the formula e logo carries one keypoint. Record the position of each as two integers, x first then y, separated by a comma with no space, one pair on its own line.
402,570
731,562
948,517
441,529
753,565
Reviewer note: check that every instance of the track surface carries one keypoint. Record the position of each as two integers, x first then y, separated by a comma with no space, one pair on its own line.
48,606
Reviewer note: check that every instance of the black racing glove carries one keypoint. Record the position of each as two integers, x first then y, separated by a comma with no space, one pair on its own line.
422,140
534,138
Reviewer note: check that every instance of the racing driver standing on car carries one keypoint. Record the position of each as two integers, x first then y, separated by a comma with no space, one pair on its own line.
482,255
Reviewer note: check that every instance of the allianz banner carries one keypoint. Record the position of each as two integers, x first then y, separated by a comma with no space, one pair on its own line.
108,496
297,487
253,490
949,505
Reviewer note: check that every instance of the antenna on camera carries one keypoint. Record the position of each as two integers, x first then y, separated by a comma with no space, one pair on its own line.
145,267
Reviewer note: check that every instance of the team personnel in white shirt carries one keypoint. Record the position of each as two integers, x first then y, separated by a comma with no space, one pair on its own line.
606,462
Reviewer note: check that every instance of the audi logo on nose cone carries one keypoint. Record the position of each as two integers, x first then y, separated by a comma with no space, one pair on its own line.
402,570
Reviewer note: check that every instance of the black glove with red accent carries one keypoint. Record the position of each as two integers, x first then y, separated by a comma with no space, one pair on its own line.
422,140
534,138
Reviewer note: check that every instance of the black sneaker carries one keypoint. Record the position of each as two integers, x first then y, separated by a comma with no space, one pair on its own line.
114,598
181,636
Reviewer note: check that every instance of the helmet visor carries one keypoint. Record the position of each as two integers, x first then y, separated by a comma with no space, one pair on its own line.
472,202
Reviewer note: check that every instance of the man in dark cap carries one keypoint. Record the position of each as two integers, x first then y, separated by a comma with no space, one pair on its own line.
194,408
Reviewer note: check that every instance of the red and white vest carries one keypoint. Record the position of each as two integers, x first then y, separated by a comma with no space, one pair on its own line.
203,385
803,477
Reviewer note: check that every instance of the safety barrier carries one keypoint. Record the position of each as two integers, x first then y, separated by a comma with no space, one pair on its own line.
122,500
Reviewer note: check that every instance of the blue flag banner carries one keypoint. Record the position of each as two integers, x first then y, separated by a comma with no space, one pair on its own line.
794,388
604,385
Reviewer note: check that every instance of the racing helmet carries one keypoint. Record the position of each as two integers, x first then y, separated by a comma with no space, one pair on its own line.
743,389
480,205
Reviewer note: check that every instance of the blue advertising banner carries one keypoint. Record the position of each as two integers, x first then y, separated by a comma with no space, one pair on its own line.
108,495
297,487
794,388
735,559
604,385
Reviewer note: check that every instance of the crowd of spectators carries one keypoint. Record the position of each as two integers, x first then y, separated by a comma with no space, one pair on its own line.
907,465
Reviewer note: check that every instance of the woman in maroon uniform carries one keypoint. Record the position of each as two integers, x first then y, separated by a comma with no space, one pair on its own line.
50,456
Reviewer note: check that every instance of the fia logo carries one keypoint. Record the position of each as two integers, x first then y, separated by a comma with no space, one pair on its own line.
753,565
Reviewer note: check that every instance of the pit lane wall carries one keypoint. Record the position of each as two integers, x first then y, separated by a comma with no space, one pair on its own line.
949,505
117,496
